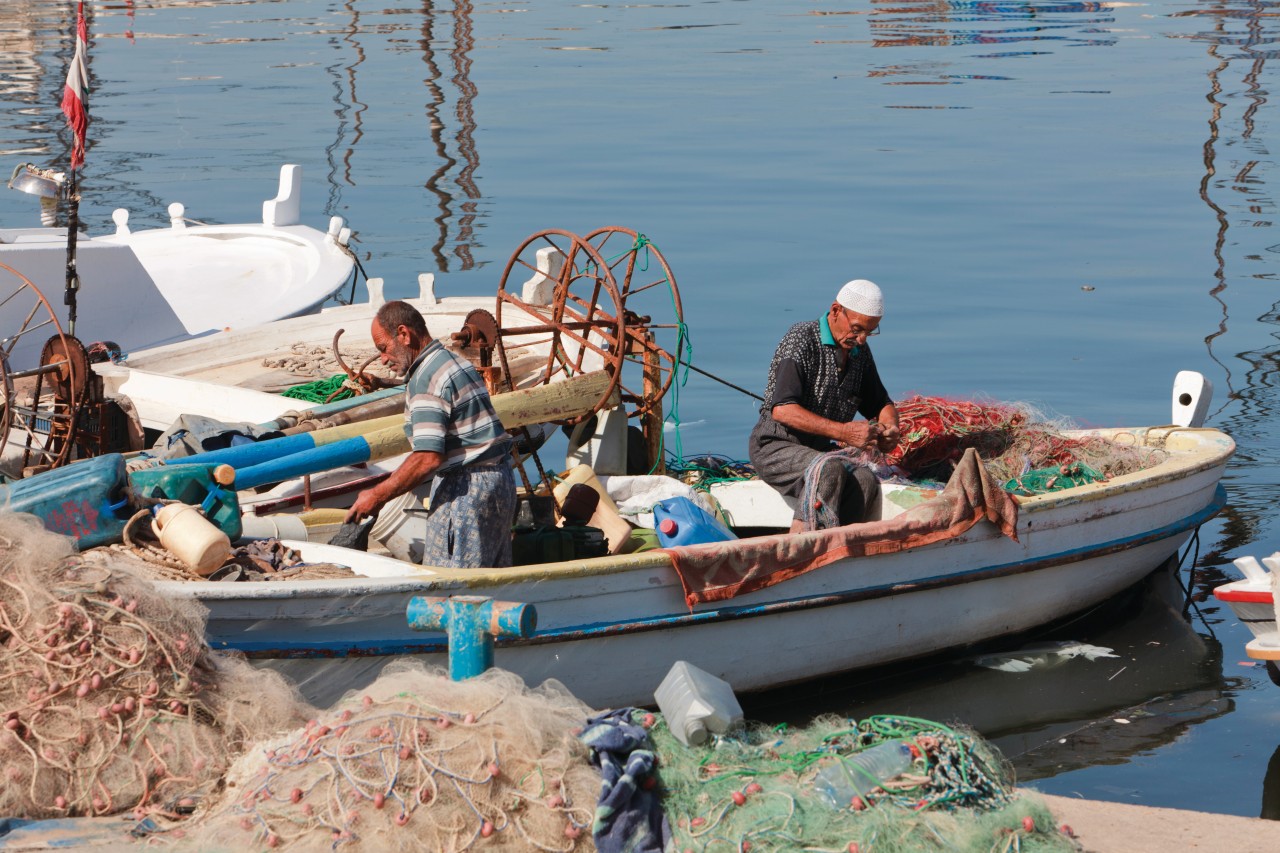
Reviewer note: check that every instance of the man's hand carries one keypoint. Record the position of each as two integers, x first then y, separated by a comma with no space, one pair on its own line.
860,434
889,437
367,503
371,382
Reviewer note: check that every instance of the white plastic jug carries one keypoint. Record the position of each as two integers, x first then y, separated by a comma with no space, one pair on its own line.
191,537
695,703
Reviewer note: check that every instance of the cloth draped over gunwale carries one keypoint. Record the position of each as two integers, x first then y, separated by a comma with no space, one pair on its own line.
719,571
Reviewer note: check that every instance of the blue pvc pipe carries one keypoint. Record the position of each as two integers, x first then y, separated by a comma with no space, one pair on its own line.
471,621
349,451
250,453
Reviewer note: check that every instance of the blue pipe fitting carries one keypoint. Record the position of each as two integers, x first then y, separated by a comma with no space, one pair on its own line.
471,623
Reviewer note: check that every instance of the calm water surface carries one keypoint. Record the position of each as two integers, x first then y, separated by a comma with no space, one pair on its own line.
1066,203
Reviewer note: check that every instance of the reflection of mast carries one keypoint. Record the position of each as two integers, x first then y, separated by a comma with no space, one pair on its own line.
345,101
1220,271
1244,180
463,41
437,137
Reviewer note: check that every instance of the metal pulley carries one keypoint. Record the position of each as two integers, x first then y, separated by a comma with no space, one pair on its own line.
480,332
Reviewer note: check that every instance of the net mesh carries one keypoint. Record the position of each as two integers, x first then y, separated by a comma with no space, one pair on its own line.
111,701
418,762
756,792
1020,447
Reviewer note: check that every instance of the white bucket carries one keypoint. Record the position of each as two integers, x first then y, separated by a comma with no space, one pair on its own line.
191,537
402,533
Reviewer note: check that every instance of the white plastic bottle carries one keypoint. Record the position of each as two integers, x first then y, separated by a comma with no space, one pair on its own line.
695,703
854,775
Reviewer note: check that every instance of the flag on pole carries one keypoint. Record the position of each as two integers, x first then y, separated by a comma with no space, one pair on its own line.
76,93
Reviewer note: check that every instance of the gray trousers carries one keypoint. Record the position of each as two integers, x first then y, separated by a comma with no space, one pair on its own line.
781,461
472,511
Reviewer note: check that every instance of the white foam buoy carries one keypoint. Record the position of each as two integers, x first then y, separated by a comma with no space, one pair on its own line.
1191,395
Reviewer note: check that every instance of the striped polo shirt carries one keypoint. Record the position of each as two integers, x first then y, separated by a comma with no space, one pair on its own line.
448,411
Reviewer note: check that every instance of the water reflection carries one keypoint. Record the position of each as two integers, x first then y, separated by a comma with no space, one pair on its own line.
1271,788
447,179
1239,38
1048,721
36,40
27,33
951,23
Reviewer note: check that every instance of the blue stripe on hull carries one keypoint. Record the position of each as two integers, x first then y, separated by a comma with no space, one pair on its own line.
438,644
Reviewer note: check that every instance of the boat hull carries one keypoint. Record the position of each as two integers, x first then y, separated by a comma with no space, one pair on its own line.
609,629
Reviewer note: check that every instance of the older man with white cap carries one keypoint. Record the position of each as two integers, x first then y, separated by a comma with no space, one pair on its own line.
821,378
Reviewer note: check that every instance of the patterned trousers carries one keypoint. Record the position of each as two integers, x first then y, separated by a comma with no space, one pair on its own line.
471,516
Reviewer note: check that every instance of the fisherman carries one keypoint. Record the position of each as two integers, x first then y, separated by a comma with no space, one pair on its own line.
455,435
823,375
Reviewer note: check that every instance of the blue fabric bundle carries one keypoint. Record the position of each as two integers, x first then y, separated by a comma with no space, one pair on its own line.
629,817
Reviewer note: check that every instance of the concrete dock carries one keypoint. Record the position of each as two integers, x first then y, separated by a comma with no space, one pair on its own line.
1103,827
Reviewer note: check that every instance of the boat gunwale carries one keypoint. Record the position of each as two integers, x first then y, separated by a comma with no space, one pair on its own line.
433,642
1213,450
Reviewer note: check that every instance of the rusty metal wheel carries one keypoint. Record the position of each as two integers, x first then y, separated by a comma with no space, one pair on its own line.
559,314
24,310
655,330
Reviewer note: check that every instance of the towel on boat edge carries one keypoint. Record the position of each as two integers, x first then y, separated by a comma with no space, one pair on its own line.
718,571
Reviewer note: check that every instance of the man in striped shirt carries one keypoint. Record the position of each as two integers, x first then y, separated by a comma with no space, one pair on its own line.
455,435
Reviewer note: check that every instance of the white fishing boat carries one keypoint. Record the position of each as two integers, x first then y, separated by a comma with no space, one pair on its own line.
238,375
145,287
929,571
609,628
1253,600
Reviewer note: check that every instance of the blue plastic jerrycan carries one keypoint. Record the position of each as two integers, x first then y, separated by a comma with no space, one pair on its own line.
85,500
680,521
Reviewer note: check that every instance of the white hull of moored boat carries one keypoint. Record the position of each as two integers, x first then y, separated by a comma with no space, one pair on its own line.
151,286
1253,600
610,628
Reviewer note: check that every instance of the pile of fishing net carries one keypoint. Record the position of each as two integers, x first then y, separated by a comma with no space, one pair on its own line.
756,791
1019,447
111,701
417,762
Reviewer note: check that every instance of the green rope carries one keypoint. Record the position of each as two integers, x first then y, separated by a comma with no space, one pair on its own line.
319,390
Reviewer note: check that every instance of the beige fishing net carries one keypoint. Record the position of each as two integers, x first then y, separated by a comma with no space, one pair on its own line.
417,762
111,702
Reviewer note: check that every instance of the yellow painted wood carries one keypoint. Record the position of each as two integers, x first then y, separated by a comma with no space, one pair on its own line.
543,403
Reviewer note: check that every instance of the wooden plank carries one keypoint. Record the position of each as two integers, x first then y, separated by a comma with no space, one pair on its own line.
527,406
554,402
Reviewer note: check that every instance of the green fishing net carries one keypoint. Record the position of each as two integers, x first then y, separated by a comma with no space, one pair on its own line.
755,791
320,390
1052,479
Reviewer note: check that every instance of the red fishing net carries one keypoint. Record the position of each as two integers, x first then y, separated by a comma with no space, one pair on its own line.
1012,440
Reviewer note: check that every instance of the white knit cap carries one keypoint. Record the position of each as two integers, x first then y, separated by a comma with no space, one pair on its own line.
862,297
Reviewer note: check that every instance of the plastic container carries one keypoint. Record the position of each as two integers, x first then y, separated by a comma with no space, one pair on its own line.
402,532
192,484
854,775
191,537
277,526
606,516
85,500
680,521
696,703
641,539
